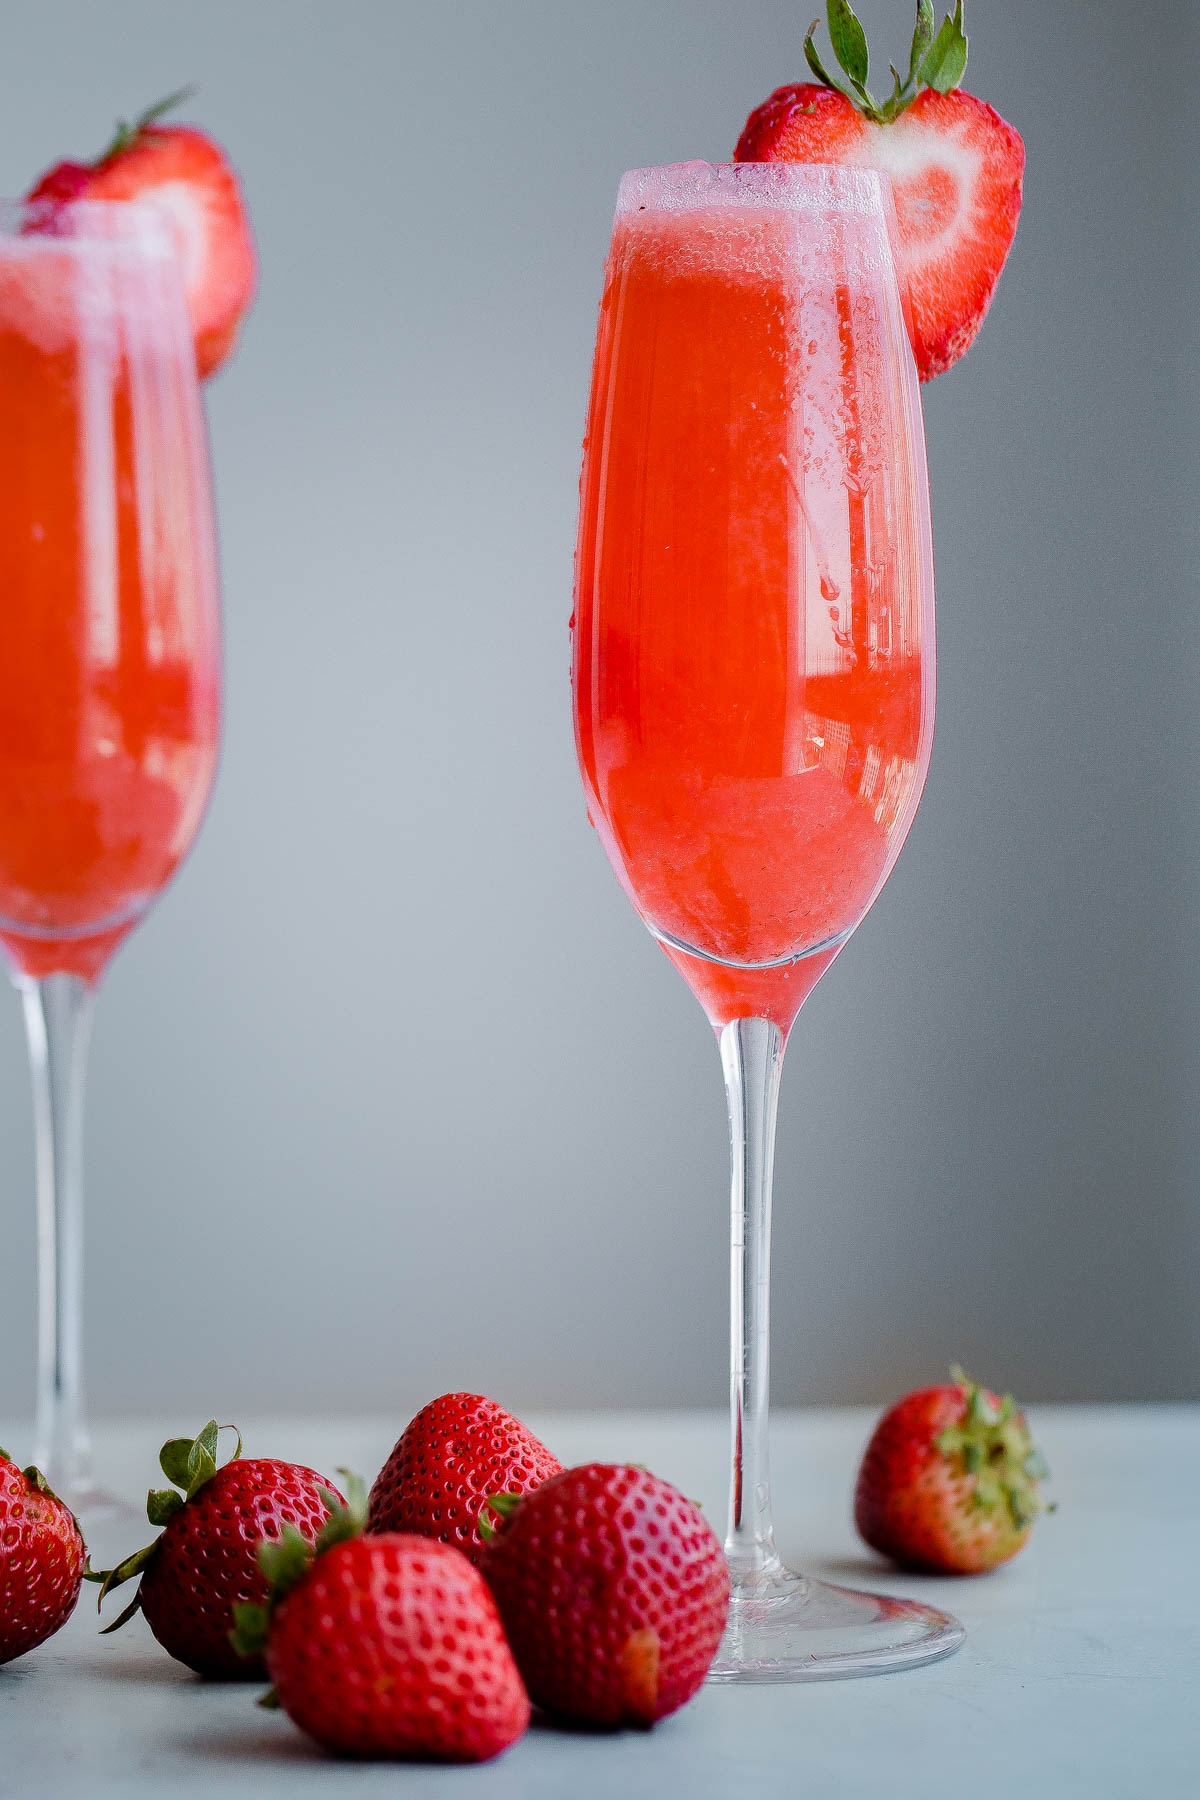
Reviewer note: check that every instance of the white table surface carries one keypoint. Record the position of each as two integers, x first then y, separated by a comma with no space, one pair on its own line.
1080,1675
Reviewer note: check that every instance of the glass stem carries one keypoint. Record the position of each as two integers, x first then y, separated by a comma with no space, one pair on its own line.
752,1058
58,1016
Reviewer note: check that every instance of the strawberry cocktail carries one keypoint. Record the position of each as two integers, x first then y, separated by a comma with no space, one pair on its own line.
755,689
110,675
753,628
121,283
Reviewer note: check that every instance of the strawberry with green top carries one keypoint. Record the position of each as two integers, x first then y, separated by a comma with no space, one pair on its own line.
955,166
41,1560
950,1481
187,176
206,1559
384,1646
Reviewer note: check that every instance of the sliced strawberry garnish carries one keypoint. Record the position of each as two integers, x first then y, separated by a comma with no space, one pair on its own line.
955,168
186,174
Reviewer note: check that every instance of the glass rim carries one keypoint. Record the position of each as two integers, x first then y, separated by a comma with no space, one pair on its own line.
776,186
73,223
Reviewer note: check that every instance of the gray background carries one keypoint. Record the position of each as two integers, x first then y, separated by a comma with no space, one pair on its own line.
393,1093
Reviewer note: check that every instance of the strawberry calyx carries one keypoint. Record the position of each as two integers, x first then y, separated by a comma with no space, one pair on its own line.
189,1463
287,1559
936,59
32,1474
37,1480
504,1506
992,1443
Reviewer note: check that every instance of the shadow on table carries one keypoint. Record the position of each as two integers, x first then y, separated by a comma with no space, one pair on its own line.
160,1669
868,1569
560,1727
256,1742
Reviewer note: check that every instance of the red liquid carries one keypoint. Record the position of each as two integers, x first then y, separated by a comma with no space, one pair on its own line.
753,642
109,659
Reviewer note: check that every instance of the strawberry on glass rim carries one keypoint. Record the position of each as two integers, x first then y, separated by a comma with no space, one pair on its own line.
955,167
183,172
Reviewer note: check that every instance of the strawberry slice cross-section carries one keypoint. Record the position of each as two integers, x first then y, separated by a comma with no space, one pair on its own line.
954,164
186,174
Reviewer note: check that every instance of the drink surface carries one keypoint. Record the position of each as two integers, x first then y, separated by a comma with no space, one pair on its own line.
753,629
109,653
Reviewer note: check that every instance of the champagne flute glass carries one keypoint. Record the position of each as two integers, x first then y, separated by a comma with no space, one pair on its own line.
109,678
753,685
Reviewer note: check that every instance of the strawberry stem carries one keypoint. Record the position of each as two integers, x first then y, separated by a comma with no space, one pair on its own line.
127,134
189,1463
504,1506
937,61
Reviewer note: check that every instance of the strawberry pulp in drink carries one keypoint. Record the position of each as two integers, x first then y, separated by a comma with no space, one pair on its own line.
753,661
109,671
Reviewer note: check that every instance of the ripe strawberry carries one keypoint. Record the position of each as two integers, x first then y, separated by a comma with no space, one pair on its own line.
205,1561
183,172
955,168
457,1452
41,1560
613,1592
384,1646
949,1480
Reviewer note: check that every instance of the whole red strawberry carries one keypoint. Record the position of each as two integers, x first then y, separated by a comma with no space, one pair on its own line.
613,1592
385,1646
205,1561
949,1481
187,175
41,1560
955,167
456,1453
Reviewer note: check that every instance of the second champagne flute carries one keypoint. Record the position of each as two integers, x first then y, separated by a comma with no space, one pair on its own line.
109,677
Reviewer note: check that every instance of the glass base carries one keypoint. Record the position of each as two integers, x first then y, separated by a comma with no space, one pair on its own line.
787,1627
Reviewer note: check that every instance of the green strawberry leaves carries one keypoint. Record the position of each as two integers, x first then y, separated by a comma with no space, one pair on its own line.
993,1446
36,1479
821,72
251,1619
946,62
162,1504
286,1560
849,41
189,1463
346,1520
936,60
921,39
504,1506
